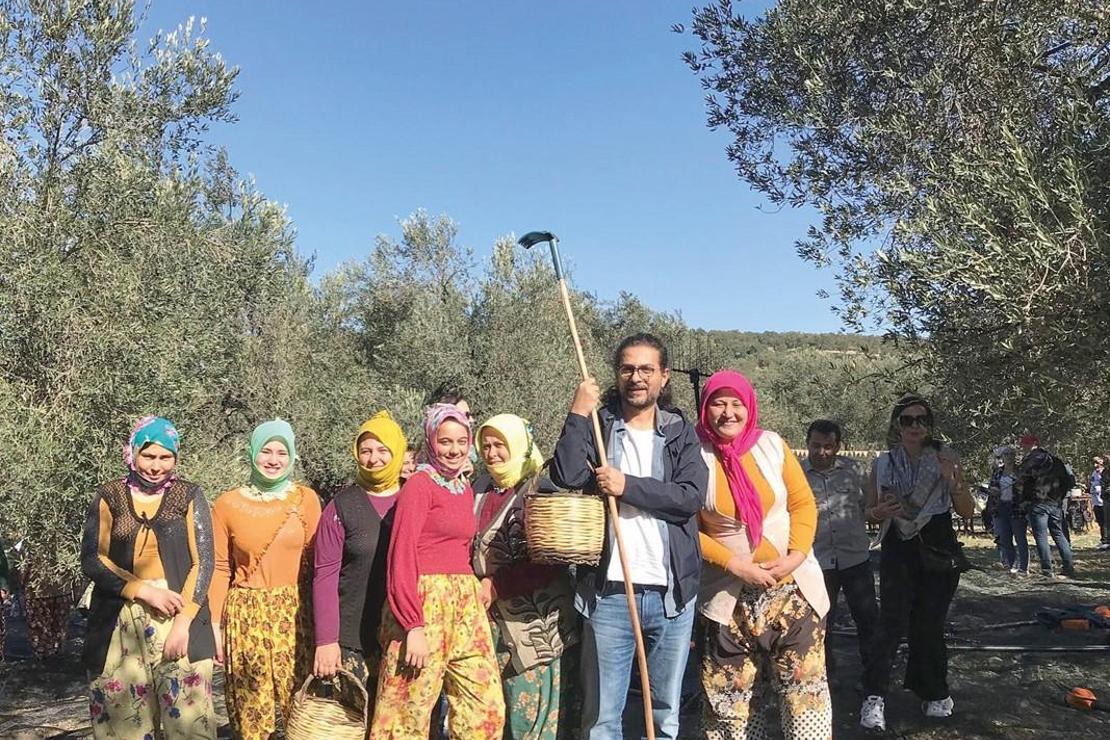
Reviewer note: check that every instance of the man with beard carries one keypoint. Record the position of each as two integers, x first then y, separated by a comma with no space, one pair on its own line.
655,470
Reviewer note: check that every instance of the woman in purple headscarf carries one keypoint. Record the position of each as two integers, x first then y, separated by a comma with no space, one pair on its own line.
435,633
762,595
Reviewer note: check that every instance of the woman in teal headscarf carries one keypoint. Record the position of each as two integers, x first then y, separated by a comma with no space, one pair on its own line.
264,534
147,548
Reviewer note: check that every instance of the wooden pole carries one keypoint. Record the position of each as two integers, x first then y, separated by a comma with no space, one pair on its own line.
614,517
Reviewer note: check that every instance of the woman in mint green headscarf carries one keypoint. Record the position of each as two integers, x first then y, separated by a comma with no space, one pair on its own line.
261,612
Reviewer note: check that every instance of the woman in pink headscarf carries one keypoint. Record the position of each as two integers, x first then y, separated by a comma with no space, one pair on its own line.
435,634
762,595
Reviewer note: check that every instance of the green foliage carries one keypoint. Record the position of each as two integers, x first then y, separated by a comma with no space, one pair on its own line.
139,273
956,153
851,379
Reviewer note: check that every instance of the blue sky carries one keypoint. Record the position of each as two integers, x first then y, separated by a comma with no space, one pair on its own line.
575,117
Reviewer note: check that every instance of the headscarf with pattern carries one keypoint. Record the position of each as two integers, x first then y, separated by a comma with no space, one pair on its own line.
146,431
444,474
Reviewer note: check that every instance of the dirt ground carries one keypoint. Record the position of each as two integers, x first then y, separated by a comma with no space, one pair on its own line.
1012,695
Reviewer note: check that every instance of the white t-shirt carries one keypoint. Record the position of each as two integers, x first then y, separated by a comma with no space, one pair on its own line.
643,542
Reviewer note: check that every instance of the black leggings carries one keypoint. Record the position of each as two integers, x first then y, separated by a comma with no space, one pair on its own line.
914,603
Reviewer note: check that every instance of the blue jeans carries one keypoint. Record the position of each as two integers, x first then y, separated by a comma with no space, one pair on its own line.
1010,528
608,651
1048,517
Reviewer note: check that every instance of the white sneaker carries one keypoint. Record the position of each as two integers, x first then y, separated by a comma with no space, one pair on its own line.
872,715
941,708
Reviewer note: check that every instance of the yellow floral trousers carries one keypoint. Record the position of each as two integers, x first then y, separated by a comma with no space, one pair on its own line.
461,662
141,695
774,639
267,649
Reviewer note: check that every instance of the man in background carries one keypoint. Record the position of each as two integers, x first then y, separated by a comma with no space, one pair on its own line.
841,545
1097,504
1044,481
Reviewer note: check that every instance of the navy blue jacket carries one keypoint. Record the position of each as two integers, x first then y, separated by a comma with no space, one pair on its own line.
673,495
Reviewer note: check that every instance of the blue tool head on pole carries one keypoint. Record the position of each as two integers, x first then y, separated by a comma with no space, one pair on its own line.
532,238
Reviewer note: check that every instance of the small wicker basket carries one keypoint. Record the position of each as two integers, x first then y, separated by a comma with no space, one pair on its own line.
564,528
316,717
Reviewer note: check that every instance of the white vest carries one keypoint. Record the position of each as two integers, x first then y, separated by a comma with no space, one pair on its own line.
719,588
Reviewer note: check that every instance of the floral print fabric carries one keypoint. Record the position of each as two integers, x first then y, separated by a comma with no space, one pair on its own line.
775,630
47,622
538,701
461,662
141,695
267,649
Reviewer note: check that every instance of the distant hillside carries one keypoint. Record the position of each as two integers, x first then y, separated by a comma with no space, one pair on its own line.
749,348
749,341
802,376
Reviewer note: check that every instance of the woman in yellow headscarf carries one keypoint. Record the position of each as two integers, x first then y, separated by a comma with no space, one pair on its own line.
530,606
351,545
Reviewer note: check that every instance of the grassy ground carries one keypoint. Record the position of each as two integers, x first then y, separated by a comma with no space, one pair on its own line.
998,694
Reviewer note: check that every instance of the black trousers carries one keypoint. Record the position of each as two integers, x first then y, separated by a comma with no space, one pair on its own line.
858,585
1100,518
914,603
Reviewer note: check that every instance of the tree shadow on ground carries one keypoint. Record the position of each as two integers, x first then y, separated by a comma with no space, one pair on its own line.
998,694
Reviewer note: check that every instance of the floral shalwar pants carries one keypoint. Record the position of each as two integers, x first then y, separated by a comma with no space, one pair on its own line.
267,651
774,630
461,661
141,695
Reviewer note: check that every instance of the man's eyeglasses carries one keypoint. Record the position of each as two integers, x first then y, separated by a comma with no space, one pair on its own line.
647,372
908,420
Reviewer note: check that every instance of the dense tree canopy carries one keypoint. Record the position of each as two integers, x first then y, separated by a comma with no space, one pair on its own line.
957,154
139,273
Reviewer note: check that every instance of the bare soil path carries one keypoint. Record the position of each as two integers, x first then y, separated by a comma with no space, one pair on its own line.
1011,695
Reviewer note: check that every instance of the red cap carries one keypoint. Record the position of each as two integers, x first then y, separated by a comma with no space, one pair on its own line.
1029,440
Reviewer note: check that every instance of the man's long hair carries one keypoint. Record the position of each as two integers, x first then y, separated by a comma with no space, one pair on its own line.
612,396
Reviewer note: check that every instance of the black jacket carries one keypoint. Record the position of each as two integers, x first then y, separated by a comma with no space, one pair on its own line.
674,495
1043,477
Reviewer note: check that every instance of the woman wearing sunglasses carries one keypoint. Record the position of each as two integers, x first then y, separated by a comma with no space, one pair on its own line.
912,490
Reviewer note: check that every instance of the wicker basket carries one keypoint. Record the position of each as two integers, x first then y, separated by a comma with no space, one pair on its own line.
564,528
316,717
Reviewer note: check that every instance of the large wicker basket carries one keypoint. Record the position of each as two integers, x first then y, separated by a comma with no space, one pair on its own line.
317,718
564,528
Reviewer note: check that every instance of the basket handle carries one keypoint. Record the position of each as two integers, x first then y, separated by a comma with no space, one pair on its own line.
534,480
342,672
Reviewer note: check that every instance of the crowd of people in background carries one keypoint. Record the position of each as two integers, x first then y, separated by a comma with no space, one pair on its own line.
415,580
1038,493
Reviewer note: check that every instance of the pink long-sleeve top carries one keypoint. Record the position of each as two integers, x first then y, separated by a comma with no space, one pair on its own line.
432,532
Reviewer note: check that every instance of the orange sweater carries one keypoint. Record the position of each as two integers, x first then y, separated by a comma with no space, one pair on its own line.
799,502
260,544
